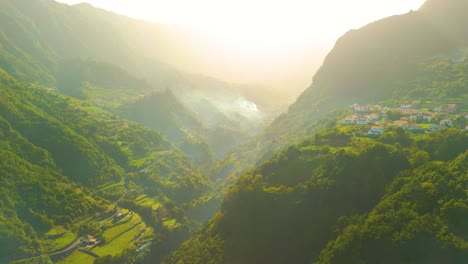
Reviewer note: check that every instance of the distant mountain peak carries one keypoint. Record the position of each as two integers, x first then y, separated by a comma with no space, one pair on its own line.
443,6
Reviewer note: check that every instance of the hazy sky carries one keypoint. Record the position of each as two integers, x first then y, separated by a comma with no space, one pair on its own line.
264,41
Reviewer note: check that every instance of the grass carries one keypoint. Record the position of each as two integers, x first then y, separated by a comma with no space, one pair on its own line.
57,238
40,259
77,257
120,243
171,223
147,201
118,237
110,185
121,226
425,125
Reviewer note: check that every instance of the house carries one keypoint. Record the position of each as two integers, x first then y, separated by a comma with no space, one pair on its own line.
351,119
414,118
464,114
446,122
376,130
414,129
401,123
361,108
361,121
90,240
409,111
404,118
426,117
406,106
434,128
452,108
372,117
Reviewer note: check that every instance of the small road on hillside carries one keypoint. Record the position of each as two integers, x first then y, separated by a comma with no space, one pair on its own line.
158,159
71,246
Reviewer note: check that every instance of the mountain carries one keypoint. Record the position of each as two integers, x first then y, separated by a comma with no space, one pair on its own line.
64,159
43,41
333,196
421,54
360,69
427,223
369,64
337,198
104,84
163,112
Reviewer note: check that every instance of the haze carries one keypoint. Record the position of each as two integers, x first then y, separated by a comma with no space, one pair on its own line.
279,44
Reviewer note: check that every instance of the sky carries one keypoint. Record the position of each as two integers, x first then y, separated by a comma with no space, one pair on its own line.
271,42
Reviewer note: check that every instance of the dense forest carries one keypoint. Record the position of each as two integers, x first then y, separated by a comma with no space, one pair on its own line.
336,198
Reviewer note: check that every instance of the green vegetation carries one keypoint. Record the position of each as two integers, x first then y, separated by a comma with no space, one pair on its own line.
163,112
57,238
290,207
422,218
56,150
58,46
303,191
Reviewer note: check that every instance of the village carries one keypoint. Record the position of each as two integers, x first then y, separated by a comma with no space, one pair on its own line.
414,117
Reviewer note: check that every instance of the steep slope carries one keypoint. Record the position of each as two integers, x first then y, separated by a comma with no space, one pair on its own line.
64,160
41,39
421,219
163,112
369,64
287,209
102,83
77,156
34,195
419,55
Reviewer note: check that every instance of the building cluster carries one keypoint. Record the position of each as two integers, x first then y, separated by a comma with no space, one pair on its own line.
363,115
411,117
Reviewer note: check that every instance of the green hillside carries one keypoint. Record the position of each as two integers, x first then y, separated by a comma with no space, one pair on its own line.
394,60
101,141
90,53
290,207
64,160
163,112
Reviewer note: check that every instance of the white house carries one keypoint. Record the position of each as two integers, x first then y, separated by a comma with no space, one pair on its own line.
446,122
372,117
350,120
376,130
401,123
361,121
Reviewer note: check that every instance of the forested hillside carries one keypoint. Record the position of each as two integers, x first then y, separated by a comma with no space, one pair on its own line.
90,53
374,199
341,196
59,153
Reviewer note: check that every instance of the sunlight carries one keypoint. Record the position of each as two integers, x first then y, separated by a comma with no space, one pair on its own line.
281,42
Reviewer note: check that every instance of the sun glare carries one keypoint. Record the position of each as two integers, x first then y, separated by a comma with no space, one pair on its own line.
250,41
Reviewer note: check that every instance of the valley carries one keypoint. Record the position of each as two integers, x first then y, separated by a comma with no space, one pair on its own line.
110,155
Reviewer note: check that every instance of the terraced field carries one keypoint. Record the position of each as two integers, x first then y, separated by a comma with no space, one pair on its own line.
119,235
